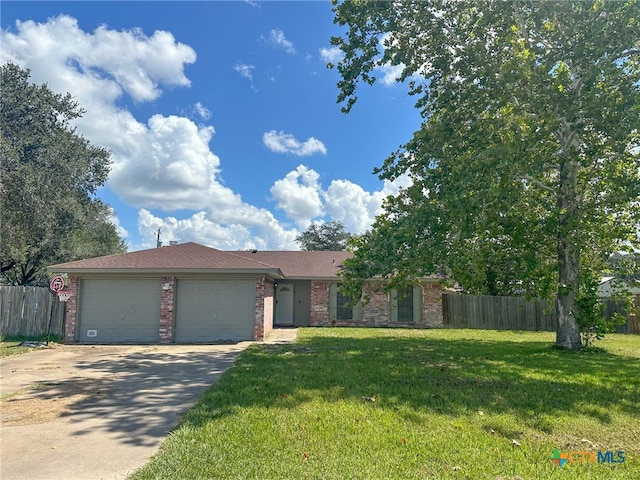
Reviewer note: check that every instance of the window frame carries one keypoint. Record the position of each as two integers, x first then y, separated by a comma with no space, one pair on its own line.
356,309
416,305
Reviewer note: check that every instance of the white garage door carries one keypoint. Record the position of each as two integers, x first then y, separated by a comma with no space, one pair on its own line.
116,311
214,310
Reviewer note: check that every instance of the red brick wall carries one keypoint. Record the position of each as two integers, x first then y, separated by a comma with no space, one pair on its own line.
377,312
268,306
167,302
319,304
264,309
432,305
71,317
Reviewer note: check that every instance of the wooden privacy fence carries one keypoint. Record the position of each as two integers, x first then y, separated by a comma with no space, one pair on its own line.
633,320
515,313
496,313
26,311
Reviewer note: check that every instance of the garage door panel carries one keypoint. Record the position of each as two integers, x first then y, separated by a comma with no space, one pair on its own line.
214,310
113,310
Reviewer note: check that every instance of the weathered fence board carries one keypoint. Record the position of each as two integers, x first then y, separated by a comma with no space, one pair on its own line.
515,313
27,311
633,319
496,313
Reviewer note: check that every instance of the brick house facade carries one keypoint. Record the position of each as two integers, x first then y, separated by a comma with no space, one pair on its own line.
249,279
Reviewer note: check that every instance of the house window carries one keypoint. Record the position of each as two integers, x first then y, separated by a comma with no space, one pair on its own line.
406,304
342,307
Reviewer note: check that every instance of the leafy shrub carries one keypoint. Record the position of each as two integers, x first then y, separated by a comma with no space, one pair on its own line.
590,312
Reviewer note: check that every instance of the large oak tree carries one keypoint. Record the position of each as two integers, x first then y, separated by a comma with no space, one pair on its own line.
526,169
48,180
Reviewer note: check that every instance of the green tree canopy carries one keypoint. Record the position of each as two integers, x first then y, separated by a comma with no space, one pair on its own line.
328,236
48,180
526,167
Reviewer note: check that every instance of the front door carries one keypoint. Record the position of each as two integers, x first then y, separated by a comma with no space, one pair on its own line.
284,304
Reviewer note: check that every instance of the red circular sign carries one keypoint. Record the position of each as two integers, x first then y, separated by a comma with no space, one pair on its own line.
56,284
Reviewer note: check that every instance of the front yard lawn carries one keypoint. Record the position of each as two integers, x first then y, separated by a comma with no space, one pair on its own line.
414,404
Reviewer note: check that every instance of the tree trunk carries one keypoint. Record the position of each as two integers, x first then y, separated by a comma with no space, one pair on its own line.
568,330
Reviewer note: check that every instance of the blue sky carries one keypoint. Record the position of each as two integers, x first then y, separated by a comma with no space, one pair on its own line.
221,116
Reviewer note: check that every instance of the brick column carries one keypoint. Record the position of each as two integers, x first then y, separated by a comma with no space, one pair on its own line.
319,304
263,309
377,312
71,312
167,300
432,305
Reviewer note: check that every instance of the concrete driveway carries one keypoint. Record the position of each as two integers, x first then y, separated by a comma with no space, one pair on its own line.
98,412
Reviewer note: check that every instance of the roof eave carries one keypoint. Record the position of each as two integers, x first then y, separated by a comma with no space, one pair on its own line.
419,279
271,272
311,278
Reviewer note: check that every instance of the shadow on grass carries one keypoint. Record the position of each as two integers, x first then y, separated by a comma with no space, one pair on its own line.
528,379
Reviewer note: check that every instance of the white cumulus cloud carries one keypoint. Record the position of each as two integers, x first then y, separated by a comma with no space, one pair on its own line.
203,112
118,61
390,73
164,163
115,221
245,70
355,207
331,55
278,39
299,195
281,142
202,228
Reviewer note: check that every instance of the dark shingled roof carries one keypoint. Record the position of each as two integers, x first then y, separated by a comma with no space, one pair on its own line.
302,264
194,257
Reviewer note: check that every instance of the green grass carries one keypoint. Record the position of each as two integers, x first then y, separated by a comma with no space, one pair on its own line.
407,404
11,345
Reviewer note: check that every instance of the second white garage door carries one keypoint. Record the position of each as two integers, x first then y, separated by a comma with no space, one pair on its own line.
214,310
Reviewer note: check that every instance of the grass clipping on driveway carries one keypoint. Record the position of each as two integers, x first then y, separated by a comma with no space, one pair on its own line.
404,404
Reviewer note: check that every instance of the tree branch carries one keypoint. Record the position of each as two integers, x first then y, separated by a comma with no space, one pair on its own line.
538,183
521,24
632,52
5,267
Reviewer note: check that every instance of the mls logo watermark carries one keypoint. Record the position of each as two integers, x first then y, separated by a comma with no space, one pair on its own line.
582,457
